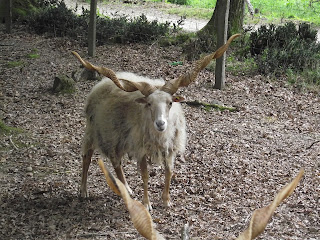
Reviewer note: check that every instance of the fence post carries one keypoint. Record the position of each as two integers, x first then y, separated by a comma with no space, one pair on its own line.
92,28
222,30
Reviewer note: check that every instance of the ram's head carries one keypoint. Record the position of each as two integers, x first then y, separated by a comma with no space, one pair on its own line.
143,222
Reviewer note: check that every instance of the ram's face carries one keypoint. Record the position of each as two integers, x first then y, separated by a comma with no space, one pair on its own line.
159,104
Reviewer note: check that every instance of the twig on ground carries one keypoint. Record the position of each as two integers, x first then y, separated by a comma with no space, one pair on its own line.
312,144
15,147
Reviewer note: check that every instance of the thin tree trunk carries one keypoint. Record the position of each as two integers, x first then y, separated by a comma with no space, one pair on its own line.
8,17
250,7
222,30
92,28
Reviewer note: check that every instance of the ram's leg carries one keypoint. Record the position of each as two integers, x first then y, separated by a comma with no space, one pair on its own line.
166,195
145,178
86,160
120,174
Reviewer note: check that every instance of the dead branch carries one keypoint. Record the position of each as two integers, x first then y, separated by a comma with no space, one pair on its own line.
208,106
313,142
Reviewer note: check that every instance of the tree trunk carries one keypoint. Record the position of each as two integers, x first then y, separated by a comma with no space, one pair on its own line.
222,30
8,18
250,7
236,15
92,28
211,26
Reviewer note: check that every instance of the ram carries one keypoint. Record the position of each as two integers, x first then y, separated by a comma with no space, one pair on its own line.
140,117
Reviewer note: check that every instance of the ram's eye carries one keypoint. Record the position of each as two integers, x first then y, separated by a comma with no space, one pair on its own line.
170,104
149,104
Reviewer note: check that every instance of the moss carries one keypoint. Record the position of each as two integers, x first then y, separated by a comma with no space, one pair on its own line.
7,129
63,84
33,55
13,64
209,106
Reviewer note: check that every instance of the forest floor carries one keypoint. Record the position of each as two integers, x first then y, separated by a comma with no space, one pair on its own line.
234,162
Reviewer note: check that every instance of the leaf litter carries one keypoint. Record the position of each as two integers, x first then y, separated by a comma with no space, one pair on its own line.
235,162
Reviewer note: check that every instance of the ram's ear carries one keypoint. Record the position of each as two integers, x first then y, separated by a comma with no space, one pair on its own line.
177,99
142,100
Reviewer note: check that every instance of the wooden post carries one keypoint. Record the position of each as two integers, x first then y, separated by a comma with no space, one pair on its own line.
8,17
222,30
92,28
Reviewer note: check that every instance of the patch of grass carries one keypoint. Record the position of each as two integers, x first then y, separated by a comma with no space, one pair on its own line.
289,9
195,3
177,39
13,64
241,67
5,129
273,11
34,54
308,79
202,13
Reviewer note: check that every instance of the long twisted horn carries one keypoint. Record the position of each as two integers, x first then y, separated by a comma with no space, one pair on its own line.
125,85
184,80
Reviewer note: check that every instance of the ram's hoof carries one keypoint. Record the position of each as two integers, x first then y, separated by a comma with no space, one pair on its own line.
167,203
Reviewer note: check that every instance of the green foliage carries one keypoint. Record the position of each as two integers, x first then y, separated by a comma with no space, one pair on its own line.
178,39
34,54
13,64
57,20
122,29
287,50
277,49
6,129
202,13
243,67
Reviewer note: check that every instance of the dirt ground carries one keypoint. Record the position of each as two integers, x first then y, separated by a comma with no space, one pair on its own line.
235,162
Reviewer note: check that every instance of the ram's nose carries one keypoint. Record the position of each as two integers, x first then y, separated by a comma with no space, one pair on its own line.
161,125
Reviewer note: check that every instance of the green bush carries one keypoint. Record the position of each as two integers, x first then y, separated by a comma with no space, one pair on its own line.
57,20
122,29
277,49
180,2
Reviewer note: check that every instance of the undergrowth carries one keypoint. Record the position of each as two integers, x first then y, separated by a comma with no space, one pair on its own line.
288,50
55,19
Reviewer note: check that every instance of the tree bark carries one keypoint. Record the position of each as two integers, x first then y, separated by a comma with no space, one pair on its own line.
250,7
236,16
222,32
8,18
92,28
